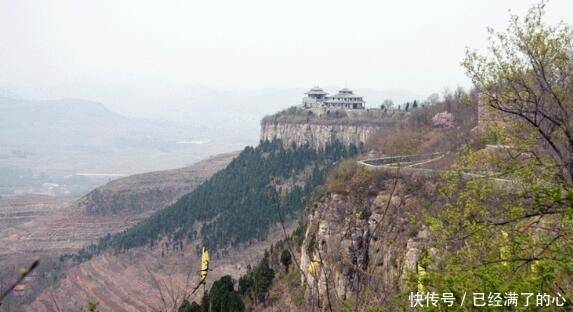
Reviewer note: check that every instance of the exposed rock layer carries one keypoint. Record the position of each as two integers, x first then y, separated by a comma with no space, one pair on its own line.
371,241
318,135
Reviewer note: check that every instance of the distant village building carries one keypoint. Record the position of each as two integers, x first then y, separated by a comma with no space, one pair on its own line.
344,99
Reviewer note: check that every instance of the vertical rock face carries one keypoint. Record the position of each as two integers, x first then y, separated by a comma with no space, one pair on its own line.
318,135
370,244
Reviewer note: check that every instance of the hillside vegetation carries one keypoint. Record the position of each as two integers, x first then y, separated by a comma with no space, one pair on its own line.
377,117
236,205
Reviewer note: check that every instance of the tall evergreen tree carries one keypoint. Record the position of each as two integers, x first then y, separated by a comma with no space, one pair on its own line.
286,259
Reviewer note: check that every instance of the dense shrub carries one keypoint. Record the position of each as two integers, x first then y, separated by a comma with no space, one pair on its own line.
443,120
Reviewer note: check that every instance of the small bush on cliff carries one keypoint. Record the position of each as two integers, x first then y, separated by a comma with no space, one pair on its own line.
257,282
221,297
443,120
286,259
187,306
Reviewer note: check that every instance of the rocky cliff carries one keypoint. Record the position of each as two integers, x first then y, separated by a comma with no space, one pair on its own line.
366,242
300,126
318,135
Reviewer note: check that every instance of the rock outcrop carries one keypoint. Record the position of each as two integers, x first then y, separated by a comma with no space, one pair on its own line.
318,135
302,126
370,243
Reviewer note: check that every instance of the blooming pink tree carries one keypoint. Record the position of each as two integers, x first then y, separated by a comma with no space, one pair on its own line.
443,120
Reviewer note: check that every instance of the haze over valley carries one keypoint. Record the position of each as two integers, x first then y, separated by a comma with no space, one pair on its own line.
67,146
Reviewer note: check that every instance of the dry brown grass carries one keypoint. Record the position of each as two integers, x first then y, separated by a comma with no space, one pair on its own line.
350,178
419,136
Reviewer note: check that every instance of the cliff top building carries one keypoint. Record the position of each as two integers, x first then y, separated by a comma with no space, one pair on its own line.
344,99
314,98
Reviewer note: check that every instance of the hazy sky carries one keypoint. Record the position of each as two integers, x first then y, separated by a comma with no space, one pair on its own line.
249,44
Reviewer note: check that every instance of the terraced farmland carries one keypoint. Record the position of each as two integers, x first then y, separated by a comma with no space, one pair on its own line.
45,227
142,279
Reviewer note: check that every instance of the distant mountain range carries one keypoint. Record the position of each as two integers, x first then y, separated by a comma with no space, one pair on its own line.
69,146
44,144
232,114
77,124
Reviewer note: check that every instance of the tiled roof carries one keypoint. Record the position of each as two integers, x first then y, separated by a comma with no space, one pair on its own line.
316,90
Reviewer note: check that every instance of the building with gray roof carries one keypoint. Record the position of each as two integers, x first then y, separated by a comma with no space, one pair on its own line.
344,99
